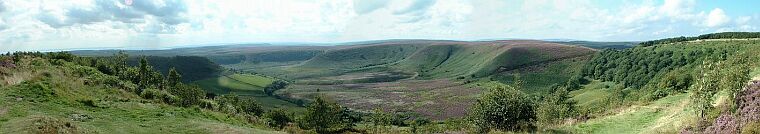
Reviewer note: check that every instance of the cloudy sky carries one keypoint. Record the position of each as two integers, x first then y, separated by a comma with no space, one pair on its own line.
85,24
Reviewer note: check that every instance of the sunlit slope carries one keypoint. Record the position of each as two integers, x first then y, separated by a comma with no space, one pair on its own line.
439,59
362,56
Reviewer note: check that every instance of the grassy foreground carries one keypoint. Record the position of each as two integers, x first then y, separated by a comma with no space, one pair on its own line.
666,115
40,97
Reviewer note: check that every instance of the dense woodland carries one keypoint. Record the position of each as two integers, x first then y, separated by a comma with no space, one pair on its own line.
192,68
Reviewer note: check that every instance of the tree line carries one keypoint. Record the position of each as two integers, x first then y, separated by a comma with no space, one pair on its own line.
723,35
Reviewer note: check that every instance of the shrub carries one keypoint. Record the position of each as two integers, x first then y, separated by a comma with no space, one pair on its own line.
277,118
676,81
150,93
84,71
555,107
208,104
416,123
276,85
378,117
236,104
189,95
325,117
163,96
706,85
103,79
61,55
503,108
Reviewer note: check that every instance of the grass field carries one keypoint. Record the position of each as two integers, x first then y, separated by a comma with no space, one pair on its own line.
246,85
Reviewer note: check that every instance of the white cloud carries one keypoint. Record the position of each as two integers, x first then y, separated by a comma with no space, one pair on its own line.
743,20
717,18
40,25
678,8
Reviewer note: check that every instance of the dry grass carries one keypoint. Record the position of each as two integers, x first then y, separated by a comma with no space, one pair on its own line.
15,78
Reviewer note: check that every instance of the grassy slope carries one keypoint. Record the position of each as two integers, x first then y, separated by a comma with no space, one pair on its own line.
246,85
666,115
429,59
57,100
592,93
539,78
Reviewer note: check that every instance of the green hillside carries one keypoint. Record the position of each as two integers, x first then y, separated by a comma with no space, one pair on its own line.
428,59
246,85
42,95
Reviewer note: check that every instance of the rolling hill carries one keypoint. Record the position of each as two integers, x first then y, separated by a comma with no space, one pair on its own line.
429,59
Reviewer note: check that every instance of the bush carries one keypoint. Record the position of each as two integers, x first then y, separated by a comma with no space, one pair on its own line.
503,108
189,95
324,117
416,123
555,107
150,93
163,96
84,71
277,118
208,104
276,85
103,79
236,104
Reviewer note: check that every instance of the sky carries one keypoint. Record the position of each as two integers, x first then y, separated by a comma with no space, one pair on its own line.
43,25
